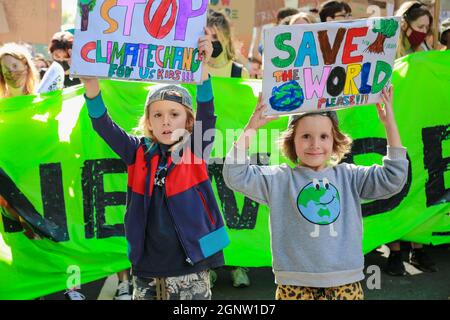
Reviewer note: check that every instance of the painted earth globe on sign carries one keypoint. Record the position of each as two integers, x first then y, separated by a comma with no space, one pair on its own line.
319,203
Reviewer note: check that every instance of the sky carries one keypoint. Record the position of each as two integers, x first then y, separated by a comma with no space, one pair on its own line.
68,5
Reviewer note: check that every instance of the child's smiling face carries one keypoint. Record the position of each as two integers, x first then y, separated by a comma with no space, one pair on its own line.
314,141
167,121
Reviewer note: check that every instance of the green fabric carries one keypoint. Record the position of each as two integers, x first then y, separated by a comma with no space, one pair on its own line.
54,129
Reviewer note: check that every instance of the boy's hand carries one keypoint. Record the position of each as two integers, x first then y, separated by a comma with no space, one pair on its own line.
91,86
205,49
258,119
386,114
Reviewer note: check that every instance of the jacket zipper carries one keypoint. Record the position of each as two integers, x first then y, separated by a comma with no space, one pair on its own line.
210,216
188,259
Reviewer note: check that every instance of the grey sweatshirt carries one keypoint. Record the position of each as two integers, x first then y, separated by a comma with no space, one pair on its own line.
315,217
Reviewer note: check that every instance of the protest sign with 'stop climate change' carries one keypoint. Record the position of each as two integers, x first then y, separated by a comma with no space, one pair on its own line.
149,40
326,66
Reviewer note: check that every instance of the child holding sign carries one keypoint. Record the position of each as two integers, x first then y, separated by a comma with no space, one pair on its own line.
315,208
173,225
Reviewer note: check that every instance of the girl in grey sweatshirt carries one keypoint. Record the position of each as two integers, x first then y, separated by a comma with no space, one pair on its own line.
315,208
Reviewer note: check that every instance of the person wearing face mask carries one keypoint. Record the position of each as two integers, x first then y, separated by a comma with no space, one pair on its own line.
60,49
41,64
18,75
223,64
335,11
416,27
223,60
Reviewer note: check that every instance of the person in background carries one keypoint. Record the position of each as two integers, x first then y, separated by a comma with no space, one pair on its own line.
302,18
18,75
335,11
257,48
124,289
223,60
416,25
284,13
60,48
41,64
222,64
444,37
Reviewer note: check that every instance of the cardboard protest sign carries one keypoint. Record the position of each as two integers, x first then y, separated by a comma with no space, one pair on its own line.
53,79
326,66
149,40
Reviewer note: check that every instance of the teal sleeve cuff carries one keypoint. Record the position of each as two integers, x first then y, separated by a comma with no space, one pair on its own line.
204,91
96,106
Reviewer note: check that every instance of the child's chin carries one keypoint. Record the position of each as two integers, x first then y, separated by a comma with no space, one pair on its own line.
313,165
166,141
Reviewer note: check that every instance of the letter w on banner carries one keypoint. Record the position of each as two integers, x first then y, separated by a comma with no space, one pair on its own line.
327,66
148,40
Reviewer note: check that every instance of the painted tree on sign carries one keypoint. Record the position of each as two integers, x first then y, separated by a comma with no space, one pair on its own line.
85,6
385,28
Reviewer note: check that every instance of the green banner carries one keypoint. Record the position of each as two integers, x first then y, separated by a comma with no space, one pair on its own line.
68,187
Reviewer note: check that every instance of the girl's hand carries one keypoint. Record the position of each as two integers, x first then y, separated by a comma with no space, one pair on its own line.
258,119
91,86
386,114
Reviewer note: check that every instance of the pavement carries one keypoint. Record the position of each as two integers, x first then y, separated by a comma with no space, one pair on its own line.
378,285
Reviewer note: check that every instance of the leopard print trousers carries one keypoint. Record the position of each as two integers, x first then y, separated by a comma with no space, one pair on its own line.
352,291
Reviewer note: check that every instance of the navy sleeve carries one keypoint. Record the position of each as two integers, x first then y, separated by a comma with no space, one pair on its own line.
202,144
122,143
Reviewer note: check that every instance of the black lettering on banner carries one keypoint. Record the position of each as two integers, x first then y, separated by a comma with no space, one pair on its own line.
53,195
95,199
10,225
435,164
337,74
233,219
48,226
378,145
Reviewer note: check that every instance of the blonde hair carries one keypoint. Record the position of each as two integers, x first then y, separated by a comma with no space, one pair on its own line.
308,17
342,143
20,53
144,126
221,25
409,16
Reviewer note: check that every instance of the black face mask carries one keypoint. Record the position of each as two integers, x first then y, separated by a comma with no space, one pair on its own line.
217,49
64,64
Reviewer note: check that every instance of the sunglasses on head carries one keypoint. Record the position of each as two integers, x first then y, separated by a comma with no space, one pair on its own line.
416,5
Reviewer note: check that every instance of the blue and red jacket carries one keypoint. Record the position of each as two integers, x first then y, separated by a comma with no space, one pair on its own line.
190,198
